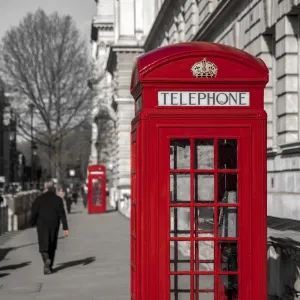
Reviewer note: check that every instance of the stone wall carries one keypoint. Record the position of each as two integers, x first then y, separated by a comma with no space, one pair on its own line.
19,209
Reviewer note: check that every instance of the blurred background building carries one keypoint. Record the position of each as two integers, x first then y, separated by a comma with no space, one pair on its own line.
16,173
9,163
269,29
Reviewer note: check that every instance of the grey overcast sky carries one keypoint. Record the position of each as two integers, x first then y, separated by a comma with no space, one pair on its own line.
82,11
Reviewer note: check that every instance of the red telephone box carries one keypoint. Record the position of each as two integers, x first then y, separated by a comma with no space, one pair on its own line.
198,147
96,189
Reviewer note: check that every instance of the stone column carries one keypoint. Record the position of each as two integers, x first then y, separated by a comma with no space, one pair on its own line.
126,18
267,54
287,79
125,114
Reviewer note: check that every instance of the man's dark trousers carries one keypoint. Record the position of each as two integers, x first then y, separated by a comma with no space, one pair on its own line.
47,237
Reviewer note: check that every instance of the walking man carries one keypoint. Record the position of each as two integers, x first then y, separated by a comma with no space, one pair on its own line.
47,213
68,198
84,192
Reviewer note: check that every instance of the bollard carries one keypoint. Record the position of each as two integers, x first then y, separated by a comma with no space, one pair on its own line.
15,223
10,220
1,221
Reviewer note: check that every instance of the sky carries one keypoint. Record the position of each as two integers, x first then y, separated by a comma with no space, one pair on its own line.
82,11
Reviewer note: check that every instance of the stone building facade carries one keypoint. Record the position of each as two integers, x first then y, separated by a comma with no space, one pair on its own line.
118,33
269,29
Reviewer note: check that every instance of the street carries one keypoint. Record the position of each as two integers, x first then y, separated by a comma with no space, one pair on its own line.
91,264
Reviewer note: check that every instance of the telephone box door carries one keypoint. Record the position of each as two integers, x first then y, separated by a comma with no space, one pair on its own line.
204,213
96,190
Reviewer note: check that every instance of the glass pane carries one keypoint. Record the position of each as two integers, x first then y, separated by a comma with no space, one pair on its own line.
180,256
204,296
228,256
204,188
228,287
96,192
180,296
204,221
180,188
179,154
204,256
204,284
180,221
227,187
204,154
180,287
227,154
228,222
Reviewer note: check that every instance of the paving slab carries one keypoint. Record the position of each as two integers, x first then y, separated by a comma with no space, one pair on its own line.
91,264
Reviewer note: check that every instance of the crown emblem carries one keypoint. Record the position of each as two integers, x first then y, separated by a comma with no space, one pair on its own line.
204,68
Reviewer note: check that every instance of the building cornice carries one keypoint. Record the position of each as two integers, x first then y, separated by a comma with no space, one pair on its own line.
224,9
157,23
121,49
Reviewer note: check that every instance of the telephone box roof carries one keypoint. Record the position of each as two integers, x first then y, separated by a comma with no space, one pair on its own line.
241,63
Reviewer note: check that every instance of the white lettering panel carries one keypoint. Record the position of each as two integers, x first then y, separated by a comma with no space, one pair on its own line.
203,98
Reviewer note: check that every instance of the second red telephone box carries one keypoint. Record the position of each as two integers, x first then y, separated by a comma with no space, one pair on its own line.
96,189
198,174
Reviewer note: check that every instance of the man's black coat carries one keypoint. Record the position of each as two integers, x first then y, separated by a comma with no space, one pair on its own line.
47,213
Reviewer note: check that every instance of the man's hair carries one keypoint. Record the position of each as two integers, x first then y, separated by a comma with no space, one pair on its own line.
49,185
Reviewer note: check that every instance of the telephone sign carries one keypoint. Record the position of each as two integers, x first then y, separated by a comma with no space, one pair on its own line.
203,98
198,174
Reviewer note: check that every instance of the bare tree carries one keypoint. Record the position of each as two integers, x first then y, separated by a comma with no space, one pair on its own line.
105,139
45,64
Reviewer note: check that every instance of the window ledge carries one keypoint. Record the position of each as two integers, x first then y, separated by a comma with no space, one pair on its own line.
290,148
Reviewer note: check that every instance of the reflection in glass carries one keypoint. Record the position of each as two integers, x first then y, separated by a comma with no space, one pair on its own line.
204,154
180,256
204,255
228,287
227,187
204,296
179,154
180,296
204,283
228,222
96,192
227,154
180,287
179,221
204,188
204,221
180,188
229,256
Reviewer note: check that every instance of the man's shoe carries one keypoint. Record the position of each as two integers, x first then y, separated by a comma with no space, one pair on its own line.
47,269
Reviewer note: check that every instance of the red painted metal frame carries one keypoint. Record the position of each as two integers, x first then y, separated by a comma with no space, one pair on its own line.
168,69
96,172
206,132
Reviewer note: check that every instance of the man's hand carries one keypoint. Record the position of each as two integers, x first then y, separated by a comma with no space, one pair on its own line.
66,233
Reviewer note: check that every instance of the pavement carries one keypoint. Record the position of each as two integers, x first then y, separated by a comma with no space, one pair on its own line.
91,264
